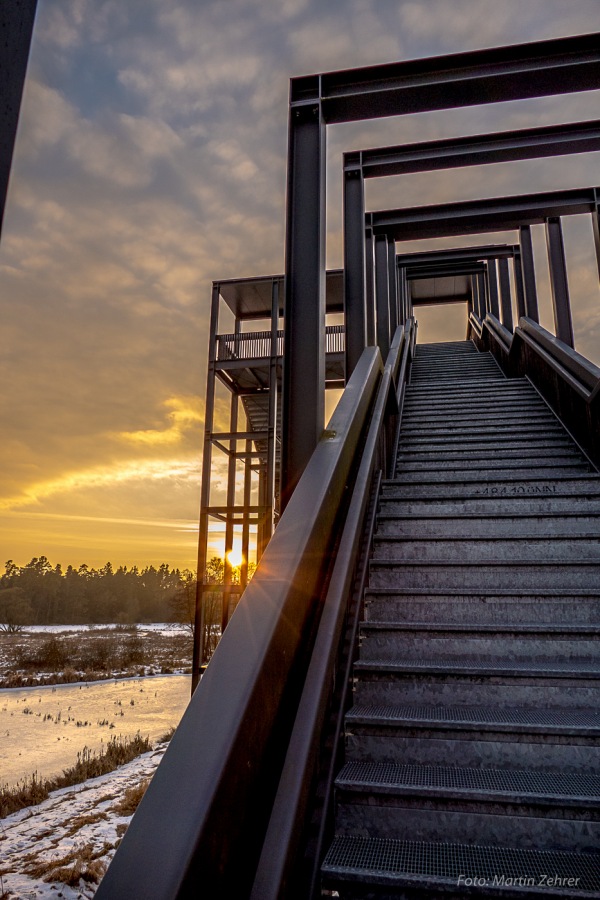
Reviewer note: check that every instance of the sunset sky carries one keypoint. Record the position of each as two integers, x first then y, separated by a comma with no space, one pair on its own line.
150,160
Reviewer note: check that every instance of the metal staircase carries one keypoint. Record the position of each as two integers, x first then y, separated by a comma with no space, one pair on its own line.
472,759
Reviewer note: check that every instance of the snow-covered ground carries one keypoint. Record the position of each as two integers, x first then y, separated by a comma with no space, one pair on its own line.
61,848
154,627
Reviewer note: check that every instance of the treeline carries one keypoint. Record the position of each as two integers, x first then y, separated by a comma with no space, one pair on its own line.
42,594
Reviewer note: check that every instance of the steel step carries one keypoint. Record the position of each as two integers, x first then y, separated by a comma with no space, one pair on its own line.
432,866
521,451
583,722
459,680
388,641
567,547
500,428
511,609
498,525
543,469
501,462
515,786
483,414
473,440
534,485
485,574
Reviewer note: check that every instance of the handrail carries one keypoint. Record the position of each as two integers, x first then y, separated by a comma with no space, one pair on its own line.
257,344
277,876
568,382
203,816
583,370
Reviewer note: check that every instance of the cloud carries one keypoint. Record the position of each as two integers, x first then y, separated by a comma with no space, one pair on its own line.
151,159
182,417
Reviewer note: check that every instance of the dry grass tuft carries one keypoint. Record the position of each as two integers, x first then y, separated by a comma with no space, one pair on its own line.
32,790
131,799
83,863
90,819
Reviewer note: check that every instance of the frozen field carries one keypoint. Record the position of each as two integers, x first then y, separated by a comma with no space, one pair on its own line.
43,729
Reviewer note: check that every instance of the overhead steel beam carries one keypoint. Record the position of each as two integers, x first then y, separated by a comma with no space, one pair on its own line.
442,271
481,149
515,72
480,216
459,254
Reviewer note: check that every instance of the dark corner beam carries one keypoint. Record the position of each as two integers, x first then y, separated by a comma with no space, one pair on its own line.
16,27
556,140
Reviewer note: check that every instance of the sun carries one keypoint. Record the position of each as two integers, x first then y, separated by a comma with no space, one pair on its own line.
235,558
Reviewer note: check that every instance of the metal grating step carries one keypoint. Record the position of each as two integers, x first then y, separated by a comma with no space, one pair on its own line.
567,668
544,720
393,862
523,783
476,628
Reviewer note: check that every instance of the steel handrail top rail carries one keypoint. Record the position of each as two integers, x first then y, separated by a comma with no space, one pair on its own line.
209,800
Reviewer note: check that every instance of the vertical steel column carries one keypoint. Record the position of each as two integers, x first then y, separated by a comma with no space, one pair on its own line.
528,271
484,300
596,227
408,295
304,351
269,486
262,538
246,515
392,287
558,281
492,286
519,287
400,270
354,267
370,288
475,296
505,298
198,650
382,294
231,474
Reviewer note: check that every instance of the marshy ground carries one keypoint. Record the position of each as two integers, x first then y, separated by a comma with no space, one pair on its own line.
53,656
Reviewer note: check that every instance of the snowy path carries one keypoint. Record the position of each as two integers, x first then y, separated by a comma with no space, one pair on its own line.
61,848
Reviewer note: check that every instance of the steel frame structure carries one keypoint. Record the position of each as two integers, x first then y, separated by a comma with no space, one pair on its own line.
475,261
497,147
545,68
248,365
505,213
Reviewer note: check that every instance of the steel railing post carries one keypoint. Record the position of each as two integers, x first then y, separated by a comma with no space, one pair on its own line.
528,272
558,281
